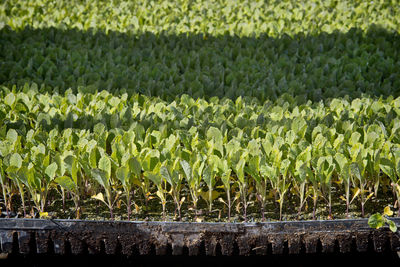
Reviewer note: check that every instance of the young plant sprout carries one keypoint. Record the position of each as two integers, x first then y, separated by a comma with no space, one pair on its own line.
157,115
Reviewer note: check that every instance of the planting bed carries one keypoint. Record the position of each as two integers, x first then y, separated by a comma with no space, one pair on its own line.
29,236
218,115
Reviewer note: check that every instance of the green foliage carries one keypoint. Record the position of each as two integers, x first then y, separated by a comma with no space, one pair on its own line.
194,101
203,49
142,151
379,220
244,18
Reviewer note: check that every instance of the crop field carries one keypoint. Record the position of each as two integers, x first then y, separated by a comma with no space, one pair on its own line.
199,110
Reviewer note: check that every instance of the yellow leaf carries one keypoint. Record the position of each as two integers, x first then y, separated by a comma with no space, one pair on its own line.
221,200
44,215
356,192
137,208
99,196
36,197
161,196
338,182
387,211
238,207
369,196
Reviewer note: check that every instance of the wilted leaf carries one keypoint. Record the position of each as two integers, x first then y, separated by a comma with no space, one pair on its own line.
387,211
100,197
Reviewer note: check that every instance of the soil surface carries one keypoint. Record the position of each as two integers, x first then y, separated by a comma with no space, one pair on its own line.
95,210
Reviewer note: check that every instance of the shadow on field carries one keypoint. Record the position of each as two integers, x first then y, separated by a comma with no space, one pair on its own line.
305,67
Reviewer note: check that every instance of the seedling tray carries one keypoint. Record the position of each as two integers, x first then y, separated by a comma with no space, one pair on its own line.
76,237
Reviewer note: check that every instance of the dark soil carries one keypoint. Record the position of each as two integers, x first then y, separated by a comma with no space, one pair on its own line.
93,209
